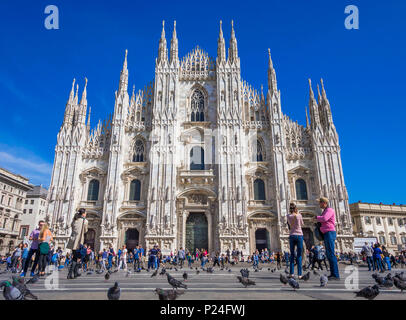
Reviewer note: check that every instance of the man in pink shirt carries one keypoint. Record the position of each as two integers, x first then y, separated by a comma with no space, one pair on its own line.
328,221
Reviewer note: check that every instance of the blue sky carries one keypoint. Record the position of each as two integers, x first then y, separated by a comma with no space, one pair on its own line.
363,70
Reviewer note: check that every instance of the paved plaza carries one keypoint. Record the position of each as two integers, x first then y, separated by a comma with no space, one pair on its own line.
220,285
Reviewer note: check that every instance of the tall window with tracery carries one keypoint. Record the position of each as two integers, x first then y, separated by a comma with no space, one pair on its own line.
139,151
259,156
197,106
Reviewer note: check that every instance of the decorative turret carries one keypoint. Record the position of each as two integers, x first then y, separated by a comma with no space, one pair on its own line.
272,84
163,50
221,46
69,109
174,46
232,50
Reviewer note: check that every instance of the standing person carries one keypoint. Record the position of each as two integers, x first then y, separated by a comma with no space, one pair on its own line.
24,256
386,258
33,249
377,257
111,254
123,258
278,260
181,255
16,256
295,222
137,258
368,252
103,259
76,240
45,238
328,220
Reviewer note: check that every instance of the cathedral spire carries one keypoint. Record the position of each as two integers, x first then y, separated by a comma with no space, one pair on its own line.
88,119
174,45
75,100
71,95
124,75
163,50
232,50
325,104
314,112
132,103
83,101
307,119
272,84
221,45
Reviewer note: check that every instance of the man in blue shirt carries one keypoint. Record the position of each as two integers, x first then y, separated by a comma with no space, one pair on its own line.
137,257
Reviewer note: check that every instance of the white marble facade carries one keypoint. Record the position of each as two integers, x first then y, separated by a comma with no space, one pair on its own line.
143,169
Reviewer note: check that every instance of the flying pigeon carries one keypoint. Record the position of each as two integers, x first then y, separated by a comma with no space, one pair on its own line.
323,280
175,283
245,281
369,292
168,294
293,283
114,292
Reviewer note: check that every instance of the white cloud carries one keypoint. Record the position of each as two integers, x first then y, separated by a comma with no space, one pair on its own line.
36,170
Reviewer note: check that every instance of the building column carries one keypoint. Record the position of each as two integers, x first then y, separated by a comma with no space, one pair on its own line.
209,229
184,217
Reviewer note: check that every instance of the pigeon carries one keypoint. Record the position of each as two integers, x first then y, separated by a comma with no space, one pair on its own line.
399,284
400,276
115,271
114,292
315,273
283,279
163,271
99,271
107,276
293,283
229,270
210,270
306,277
273,270
89,273
269,269
176,269
127,274
378,279
387,281
245,272
369,292
256,270
185,276
33,280
245,281
175,283
168,294
154,273
18,282
10,292
323,280
197,272
286,271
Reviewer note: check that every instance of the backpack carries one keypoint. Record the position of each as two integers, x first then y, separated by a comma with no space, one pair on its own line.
54,258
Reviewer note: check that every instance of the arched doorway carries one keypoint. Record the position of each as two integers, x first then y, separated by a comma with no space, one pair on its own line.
196,232
131,238
262,239
90,237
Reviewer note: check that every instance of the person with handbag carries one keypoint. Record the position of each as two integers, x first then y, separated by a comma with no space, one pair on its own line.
295,223
79,228
45,238
327,228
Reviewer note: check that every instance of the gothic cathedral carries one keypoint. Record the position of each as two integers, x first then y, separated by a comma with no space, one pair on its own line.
196,159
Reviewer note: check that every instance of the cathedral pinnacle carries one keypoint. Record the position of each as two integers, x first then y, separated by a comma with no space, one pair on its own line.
83,101
162,51
174,44
124,75
221,46
232,50
72,91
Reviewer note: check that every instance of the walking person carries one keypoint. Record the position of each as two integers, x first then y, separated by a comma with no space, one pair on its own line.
123,258
295,223
16,257
377,257
386,257
24,256
328,220
181,257
45,238
79,228
33,250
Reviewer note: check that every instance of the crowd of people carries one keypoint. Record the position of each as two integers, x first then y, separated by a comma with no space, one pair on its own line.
42,254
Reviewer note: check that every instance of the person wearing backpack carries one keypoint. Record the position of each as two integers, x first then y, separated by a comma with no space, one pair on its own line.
328,220
45,238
